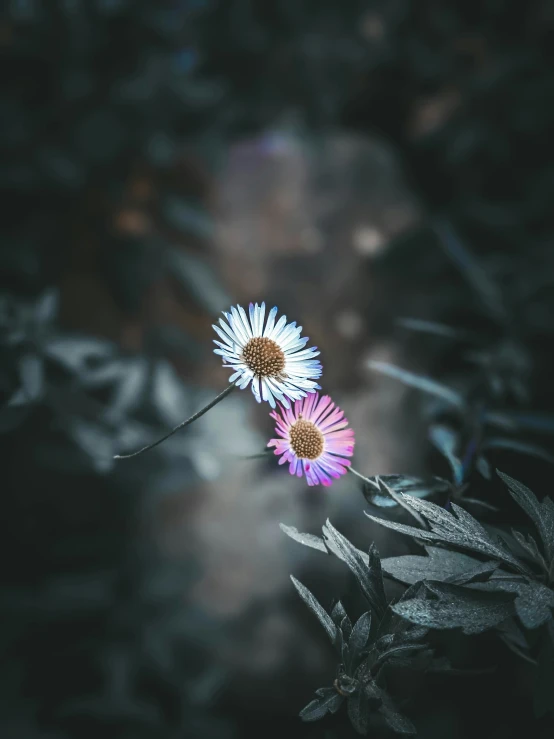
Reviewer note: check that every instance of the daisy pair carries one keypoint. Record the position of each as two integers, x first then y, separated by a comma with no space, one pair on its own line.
271,357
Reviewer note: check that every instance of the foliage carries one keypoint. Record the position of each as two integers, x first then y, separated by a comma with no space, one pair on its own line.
474,576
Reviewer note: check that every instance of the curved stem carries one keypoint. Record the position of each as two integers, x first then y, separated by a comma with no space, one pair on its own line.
182,425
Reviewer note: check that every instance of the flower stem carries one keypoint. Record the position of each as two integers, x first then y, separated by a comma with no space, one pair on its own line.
182,425
358,474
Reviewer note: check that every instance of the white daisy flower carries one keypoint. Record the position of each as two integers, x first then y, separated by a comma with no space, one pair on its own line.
268,354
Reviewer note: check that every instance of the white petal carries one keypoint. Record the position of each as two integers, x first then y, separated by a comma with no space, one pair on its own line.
278,328
260,318
290,336
252,316
237,326
245,380
304,354
245,321
225,334
270,321
273,385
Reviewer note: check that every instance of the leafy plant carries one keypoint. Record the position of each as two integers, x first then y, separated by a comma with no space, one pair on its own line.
369,648
512,577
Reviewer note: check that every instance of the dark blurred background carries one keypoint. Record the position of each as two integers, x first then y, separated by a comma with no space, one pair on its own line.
161,160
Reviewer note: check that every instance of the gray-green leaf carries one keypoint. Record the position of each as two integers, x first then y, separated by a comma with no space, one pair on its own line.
419,382
454,606
541,513
309,540
327,701
316,608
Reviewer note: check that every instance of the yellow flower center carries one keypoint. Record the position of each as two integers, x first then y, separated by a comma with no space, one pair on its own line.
306,439
264,357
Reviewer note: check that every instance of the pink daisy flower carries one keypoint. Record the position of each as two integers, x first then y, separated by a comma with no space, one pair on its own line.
314,439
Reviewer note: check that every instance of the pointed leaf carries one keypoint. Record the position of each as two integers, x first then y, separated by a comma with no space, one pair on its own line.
542,514
368,575
346,627
458,528
484,467
481,572
398,500
327,701
314,605
309,540
446,441
439,565
400,652
419,487
419,382
359,636
338,614
399,723
359,712
530,546
534,601
458,607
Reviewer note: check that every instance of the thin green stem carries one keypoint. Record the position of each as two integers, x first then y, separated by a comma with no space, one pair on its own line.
259,455
190,420
362,477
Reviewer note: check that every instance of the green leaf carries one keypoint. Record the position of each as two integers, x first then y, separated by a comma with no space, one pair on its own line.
541,513
458,528
481,572
440,564
399,723
419,382
368,574
446,441
359,712
359,637
309,540
455,606
338,614
391,485
534,601
529,546
327,701
315,607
